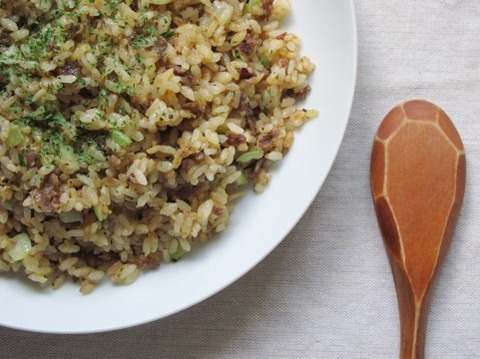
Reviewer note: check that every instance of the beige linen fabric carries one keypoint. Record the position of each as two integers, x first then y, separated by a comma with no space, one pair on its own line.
327,291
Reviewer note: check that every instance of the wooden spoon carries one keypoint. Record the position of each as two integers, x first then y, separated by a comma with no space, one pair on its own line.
418,174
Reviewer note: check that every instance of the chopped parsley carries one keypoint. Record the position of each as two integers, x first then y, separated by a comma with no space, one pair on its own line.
21,160
169,33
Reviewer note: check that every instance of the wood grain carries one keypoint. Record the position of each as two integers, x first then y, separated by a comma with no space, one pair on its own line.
418,173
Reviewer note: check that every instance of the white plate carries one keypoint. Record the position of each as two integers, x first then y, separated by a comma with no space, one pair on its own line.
259,222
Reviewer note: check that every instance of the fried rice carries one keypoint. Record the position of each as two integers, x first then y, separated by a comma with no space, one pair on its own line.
127,128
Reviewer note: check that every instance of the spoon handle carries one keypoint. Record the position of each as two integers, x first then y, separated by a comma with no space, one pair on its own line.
418,173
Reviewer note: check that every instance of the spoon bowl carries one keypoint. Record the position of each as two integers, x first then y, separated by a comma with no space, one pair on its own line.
418,173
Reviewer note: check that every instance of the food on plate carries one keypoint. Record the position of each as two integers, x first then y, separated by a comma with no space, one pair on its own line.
128,127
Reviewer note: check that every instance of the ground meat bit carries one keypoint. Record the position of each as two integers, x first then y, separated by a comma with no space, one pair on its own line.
245,74
283,62
250,44
140,107
125,161
191,160
85,93
6,193
267,141
282,36
199,156
300,95
200,8
68,69
160,45
194,107
177,70
184,192
134,5
4,39
74,30
47,197
252,124
88,225
31,159
194,157
96,260
152,261
22,21
137,248
268,7
52,181
251,115
187,77
187,80
255,170
114,162
234,139
243,107
177,20
217,211
107,256
179,5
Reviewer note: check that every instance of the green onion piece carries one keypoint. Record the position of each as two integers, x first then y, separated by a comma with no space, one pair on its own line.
265,61
169,33
71,217
250,5
178,254
98,209
15,136
250,156
22,247
122,139
160,2
9,204
223,128
68,152
242,180
21,161
237,55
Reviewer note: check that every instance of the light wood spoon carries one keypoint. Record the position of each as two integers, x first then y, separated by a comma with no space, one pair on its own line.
418,172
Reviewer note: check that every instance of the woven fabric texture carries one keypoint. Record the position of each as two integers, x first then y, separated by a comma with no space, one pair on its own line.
327,291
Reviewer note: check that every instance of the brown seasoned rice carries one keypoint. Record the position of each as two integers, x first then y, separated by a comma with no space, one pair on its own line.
127,127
